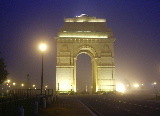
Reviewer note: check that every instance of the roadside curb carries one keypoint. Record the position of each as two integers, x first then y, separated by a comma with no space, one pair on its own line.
90,109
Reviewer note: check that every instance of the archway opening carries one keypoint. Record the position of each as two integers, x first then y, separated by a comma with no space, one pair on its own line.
84,74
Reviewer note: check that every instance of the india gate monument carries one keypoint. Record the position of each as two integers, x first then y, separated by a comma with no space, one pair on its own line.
88,35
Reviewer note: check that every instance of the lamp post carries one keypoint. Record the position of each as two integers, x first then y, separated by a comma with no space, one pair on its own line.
22,84
42,48
33,86
14,88
154,85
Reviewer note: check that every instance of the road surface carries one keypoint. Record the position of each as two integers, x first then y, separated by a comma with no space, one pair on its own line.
121,105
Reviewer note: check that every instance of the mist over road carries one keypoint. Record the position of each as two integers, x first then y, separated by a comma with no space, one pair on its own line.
120,105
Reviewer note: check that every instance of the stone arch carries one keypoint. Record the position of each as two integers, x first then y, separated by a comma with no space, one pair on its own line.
87,50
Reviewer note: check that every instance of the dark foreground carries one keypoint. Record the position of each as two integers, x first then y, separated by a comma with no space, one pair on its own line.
103,105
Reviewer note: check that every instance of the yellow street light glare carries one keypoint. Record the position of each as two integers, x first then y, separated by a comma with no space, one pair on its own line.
136,85
120,88
8,81
43,47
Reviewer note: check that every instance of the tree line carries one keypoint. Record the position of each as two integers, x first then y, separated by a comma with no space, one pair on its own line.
3,71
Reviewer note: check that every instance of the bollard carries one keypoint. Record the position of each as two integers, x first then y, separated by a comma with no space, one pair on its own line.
49,101
55,97
2,94
52,98
20,111
36,108
44,103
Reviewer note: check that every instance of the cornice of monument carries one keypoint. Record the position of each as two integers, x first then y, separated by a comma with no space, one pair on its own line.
82,40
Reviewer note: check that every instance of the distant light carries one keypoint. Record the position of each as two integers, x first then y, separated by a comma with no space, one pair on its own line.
8,81
22,85
14,83
154,83
120,88
136,85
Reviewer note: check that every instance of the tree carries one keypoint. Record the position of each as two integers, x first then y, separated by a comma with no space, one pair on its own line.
3,72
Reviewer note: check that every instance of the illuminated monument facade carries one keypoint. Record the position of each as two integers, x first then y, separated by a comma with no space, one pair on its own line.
89,35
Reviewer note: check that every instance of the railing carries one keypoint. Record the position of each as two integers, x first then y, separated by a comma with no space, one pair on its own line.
26,92
16,101
11,108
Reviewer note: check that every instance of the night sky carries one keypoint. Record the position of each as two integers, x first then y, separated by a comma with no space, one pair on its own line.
26,23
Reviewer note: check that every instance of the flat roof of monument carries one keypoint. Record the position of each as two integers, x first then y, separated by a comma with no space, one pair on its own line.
84,18
82,15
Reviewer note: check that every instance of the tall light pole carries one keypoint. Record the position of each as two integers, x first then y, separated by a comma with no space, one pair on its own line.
42,48
154,85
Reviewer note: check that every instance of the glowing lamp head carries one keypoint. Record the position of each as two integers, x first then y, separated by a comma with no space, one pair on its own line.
43,47
8,81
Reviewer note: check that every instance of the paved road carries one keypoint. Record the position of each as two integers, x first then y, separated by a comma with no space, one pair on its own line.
126,105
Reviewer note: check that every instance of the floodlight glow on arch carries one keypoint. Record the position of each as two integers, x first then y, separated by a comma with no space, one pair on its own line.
120,87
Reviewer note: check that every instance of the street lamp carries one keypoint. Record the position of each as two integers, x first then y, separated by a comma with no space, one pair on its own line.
42,48
154,84
8,81
142,86
46,87
14,85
